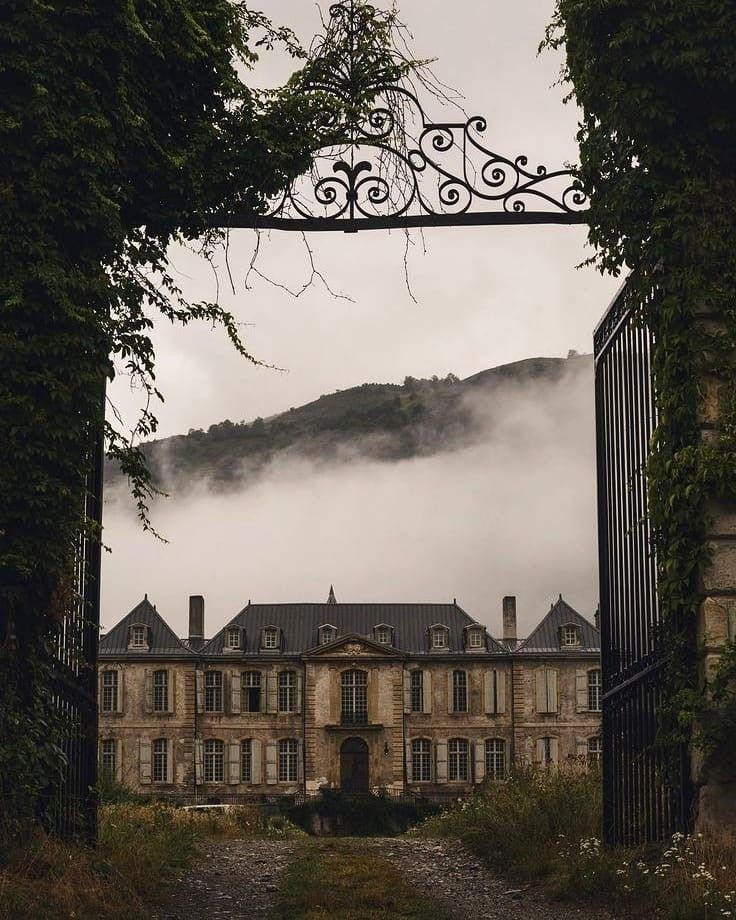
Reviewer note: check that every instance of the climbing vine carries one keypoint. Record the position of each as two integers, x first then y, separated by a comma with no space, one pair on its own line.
124,128
655,83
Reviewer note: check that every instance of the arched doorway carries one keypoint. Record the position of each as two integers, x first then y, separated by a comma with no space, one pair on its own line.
354,765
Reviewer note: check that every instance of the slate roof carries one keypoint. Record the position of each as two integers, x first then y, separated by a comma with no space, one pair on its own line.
546,637
300,624
163,641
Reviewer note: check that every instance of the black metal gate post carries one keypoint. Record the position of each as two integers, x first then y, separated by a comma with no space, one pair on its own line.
646,794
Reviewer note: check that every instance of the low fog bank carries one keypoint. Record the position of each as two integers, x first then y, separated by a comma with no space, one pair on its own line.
513,512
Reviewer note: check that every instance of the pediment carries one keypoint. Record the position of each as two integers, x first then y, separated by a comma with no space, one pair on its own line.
352,646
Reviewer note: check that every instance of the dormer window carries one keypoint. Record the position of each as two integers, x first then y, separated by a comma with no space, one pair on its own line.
138,636
271,638
474,638
383,634
570,636
233,639
327,633
439,637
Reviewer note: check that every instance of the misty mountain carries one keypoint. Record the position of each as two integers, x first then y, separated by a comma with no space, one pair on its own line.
377,421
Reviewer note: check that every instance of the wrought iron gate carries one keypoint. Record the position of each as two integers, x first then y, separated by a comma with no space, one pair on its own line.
71,809
646,795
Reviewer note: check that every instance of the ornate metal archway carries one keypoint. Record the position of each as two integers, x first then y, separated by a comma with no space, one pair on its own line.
396,168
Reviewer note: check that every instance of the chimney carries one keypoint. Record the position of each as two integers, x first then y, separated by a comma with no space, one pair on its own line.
597,617
509,617
196,621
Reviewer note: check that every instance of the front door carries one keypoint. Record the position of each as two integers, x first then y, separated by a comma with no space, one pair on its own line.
354,765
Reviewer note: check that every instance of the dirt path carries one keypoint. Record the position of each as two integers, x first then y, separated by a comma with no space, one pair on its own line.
240,879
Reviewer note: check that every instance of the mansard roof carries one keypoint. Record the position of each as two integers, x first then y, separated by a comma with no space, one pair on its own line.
299,624
163,641
546,637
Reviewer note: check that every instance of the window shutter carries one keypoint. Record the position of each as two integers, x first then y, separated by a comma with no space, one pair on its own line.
235,691
489,678
300,761
581,748
198,760
441,762
99,690
407,750
169,761
539,755
407,691
552,690
256,757
299,684
449,692
171,681
148,690
581,691
500,692
199,686
121,688
480,761
541,690
272,693
119,760
272,762
144,759
233,762
554,750
427,691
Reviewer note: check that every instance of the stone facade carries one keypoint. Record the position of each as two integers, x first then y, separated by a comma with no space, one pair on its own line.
288,698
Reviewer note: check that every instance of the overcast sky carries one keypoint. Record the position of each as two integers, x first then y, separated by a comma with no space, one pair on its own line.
486,296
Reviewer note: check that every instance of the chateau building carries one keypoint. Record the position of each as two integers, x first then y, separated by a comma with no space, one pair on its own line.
289,697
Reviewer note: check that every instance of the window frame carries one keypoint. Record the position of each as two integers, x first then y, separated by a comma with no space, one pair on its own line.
421,769
495,758
247,687
159,760
327,633
595,750
138,631
213,689
458,761
233,633
112,691
383,634
109,751
441,633
287,685
595,690
416,690
473,634
354,697
570,631
213,761
271,638
160,690
460,691
288,760
246,760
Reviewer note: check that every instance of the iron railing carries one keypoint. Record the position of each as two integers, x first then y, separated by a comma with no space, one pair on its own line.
646,784
71,810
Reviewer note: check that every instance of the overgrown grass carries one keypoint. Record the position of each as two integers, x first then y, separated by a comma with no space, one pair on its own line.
330,879
141,850
546,826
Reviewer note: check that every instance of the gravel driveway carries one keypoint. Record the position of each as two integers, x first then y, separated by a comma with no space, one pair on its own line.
240,879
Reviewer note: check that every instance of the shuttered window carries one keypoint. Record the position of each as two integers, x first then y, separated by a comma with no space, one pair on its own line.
109,691
421,763
214,761
288,760
546,688
496,758
458,760
213,691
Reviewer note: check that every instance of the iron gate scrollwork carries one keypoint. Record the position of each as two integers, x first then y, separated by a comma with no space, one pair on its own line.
647,790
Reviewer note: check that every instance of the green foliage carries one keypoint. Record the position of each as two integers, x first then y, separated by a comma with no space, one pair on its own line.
124,128
346,815
656,84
